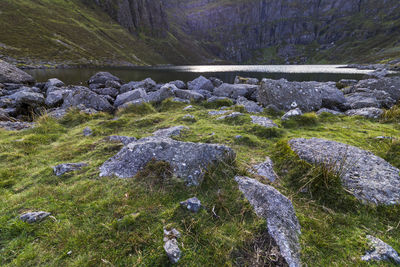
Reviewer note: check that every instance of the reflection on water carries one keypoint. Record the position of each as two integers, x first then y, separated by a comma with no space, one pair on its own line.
226,73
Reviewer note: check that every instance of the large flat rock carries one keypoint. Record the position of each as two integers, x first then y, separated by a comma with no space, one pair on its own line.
369,177
282,223
11,74
188,160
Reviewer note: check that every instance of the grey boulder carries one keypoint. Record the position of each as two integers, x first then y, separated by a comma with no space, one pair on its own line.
160,95
67,167
81,96
32,217
125,140
330,111
368,177
282,94
102,78
28,98
147,84
11,74
380,251
189,161
201,83
192,204
249,106
365,98
171,245
235,90
129,96
188,95
282,223
370,113
179,84
172,131
263,121
390,85
265,170
292,113
54,82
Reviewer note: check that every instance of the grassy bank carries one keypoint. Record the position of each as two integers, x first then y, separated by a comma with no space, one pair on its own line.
118,222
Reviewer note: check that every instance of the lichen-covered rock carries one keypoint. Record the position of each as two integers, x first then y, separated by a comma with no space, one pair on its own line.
380,251
235,90
28,98
230,116
160,95
292,113
102,78
201,83
365,98
263,121
68,167
188,95
87,131
390,85
171,245
265,170
370,113
54,82
125,140
11,74
368,177
189,161
192,204
80,95
32,217
283,93
217,112
330,111
55,98
172,131
179,84
16,125
147,84
249,106
129,96
282,223
107,91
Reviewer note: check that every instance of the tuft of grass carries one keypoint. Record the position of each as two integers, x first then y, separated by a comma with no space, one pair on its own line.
306,120
391,115
137,110
393,153
266,133
170,104
218,103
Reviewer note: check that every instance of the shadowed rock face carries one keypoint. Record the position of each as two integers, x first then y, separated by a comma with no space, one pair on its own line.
368,177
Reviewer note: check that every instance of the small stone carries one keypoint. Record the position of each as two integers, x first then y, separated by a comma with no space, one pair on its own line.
265,169
68,167
32,217
172,131
292,113
87,131
230,116
188,107
238,137
263,121
380,251
188,117
172,249
217,112
193,204
125,140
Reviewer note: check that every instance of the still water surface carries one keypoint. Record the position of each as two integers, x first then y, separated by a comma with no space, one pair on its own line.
226,73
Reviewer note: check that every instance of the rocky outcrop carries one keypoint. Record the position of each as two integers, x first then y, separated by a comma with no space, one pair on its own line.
368,177
11,74
188,160
33,217
282,223
380,251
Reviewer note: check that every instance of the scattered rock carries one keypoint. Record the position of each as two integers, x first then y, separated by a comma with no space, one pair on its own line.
218,98
263,121
188,160
325,110
112,84
215,81
158,96
171,245
188,107
180,100
230,116
368,177
172,131
278,211
102,78
366,98
265,170
148,85
16,125
87,131
189,117
188,95
83,96
179,84
54,82
380,251
292,113
390,85
282,93
235,90
332,97
217,112
107,91
33,217
201,83
249,106
129,96
370,113
55,98
11,74
192,204
68,167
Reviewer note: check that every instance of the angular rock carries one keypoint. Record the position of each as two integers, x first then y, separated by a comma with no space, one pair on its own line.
370,113
108,91
332,97
55,98
188,95
112,84
67,167
80,95
283,93
32,217
235,90
102,78
129,96
263,121
147,84
218,98
172,131
365,98
249,106
192,204
165,92
278,211
28,98
179,84
16,125
172,249
87,131
390,85
380,251
188,107
368,177
188,160
325,110
206,94
292,113
54,82
125,140
201,83
189,117
180,100
11,74
265,170
215,81
217,112
230,116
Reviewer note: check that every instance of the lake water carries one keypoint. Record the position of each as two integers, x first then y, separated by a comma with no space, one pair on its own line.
226,73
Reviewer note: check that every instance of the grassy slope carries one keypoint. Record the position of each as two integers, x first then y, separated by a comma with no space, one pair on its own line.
63,31
87,208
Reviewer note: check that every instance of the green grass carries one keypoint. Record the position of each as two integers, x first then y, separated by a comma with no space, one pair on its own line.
119,222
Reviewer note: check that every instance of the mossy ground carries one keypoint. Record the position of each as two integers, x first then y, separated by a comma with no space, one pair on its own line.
119,222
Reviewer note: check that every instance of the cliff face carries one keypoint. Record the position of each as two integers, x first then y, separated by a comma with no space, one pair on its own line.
146,16
235,29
